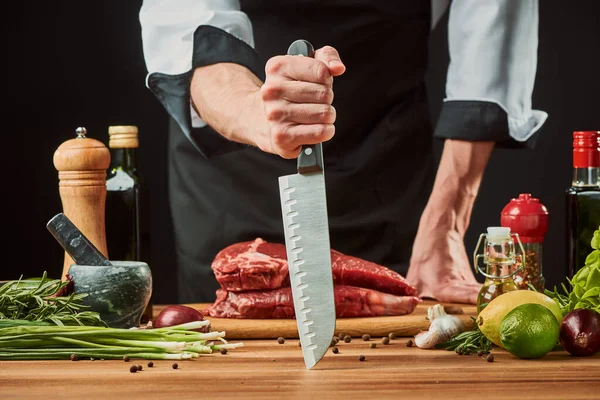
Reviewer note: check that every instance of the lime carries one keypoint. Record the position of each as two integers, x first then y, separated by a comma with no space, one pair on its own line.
529,331
491,316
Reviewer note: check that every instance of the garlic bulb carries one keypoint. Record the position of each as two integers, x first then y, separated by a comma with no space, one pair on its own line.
442,327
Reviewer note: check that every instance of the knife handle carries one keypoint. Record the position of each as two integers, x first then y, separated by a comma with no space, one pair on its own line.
310,158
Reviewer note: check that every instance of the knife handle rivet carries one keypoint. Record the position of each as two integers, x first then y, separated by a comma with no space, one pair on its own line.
308,151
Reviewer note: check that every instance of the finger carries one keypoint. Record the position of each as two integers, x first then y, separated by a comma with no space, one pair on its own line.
297,92
292,137
466,293
330,57
289,154
298,69
301,113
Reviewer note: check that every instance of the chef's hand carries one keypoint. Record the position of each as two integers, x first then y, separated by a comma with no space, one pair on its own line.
291,108
439,265
297,96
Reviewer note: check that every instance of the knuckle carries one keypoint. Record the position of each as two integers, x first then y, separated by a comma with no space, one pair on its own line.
326,95
328,131
279,137
274,113
321,72
274,65
328,114
329,50
324,132
270,91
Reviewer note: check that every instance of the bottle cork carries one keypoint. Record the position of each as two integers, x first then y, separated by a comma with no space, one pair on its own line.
123,137
81,164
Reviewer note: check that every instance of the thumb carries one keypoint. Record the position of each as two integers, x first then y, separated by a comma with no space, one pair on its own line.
330,57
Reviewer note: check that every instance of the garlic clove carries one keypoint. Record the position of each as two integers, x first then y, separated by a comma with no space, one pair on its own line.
426,339
442,328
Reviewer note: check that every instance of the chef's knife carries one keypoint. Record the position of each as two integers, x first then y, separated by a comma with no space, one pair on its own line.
306,229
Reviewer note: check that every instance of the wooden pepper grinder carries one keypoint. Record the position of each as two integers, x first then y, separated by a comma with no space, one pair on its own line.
81,164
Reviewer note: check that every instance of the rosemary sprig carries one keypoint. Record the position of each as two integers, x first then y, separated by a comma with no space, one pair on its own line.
468,342
40,300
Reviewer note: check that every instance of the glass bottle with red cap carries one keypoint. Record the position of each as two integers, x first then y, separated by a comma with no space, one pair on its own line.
528,217
583,199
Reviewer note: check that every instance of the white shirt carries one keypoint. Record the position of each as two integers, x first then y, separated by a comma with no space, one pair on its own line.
492,47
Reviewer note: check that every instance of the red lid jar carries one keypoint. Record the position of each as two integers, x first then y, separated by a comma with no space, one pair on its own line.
526,216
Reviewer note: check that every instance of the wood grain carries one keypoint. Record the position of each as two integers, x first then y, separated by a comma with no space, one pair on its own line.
81,164
264,369
403,325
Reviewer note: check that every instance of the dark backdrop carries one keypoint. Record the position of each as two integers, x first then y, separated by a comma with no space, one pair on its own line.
74,63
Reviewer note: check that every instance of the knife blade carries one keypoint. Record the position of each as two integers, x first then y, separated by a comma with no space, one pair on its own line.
306,230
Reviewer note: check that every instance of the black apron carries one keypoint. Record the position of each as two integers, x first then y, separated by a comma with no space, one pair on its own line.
379,166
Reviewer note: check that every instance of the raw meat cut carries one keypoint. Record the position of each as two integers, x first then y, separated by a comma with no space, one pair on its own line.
258,265
350,302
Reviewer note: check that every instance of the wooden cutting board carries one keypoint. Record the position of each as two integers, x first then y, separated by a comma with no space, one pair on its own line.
403,325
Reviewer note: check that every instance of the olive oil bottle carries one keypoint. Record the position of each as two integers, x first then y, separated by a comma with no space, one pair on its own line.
583,199
123,193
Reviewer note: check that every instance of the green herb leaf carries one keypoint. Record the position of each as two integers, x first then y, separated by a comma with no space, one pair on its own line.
35,300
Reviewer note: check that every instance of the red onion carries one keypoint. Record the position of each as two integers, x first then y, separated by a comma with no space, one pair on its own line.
177,315
580,332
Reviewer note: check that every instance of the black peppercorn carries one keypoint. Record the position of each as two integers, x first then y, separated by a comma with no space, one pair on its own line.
385,340
133,368
392,336
223,351
150,364
347,339
479,353
409,343
361,358
366,337
373,345
335,350
280,340
175,366
489,358
126,358
74,357
140,367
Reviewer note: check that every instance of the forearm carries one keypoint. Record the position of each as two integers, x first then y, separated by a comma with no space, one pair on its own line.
457,183
227,97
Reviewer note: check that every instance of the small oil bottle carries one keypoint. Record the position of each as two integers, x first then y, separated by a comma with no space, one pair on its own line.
500,261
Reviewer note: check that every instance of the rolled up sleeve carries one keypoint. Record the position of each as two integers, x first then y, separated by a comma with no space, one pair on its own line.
178,37
493,61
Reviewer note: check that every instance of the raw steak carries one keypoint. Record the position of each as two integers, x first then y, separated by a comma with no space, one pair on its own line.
259,265
350,302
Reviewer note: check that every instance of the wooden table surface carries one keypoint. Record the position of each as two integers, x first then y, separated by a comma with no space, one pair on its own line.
264,369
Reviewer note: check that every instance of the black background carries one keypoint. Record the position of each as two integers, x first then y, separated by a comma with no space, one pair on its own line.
80,63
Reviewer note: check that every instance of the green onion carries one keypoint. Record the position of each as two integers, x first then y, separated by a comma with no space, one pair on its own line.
60,342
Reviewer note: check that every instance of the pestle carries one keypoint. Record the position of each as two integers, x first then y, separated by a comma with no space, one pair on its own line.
74,242
119,290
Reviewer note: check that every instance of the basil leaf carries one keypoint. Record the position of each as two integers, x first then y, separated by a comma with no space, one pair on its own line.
595,243
593,279
579,290
593,292
594,301
582,274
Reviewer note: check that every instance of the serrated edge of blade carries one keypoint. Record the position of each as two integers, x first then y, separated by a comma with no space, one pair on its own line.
293,242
